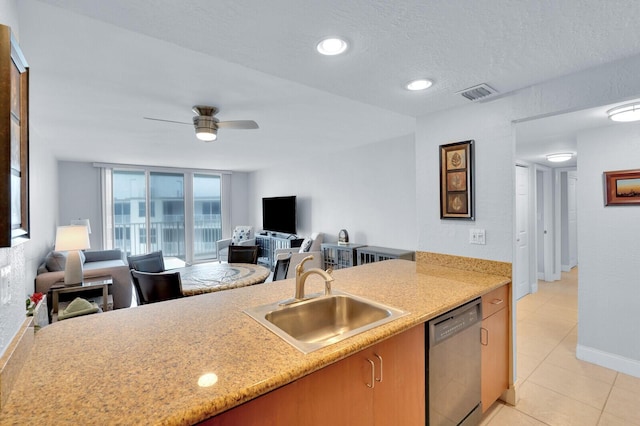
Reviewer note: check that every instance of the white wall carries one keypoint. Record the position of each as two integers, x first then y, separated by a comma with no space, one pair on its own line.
369,191
608,238
489,125
80,197
23,259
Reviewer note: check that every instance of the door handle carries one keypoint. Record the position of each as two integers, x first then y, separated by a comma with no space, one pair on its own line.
380,358
486,333
373,375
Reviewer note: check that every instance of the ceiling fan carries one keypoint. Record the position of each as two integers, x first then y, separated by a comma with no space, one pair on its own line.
207,125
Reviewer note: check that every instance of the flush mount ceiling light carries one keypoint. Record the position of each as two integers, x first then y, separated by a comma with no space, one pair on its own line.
560,157
420,84
331,46
624,113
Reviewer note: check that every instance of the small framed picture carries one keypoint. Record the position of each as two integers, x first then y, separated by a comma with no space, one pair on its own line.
456,180
622,187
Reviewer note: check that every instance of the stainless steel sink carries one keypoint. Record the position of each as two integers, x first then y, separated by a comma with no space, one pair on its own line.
321,321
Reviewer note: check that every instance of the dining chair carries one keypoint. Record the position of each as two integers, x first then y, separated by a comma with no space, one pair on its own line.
150,262
154,287
243,254
281,269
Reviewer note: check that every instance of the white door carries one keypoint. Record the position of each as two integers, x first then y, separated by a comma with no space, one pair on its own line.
522,286
572,180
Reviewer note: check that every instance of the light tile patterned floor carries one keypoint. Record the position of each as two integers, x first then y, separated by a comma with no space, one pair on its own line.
555,387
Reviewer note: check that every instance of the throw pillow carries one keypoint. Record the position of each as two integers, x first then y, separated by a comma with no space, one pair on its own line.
306,245
56,261
241,233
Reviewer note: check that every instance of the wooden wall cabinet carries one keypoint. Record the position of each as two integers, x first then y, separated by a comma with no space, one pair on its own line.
14,141
494,338
381,385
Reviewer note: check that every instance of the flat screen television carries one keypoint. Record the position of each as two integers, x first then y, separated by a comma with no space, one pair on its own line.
279,214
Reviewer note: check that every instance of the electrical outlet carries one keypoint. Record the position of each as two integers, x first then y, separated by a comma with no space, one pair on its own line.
5,285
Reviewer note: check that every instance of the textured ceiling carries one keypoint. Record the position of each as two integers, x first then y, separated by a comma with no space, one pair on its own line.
256,60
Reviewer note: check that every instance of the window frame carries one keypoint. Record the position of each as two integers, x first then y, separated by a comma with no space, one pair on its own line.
189,205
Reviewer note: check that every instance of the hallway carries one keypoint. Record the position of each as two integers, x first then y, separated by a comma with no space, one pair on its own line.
555,388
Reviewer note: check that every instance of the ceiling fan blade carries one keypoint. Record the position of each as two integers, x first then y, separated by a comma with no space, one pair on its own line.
167,121
238,124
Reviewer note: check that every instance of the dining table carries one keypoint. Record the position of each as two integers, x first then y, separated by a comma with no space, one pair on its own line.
210,277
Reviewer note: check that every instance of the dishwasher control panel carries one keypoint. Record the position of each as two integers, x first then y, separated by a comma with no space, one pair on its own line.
447,325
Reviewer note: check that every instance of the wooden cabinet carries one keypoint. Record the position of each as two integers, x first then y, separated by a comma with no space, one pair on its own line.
369,254
381,385
338,256
495,345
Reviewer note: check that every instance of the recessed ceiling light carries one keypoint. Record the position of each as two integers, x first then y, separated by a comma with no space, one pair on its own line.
420,84
332,46
560,157
624,113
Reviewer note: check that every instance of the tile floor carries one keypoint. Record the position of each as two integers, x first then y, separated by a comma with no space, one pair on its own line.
555,387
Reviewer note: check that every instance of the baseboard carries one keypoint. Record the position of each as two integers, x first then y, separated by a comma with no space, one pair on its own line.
565,268
606,359
541,276
14,357
510,396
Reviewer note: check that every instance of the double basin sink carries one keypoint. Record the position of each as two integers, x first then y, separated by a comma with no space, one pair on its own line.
317,322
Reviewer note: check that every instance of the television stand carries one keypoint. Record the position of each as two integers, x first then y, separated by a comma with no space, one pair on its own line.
268,244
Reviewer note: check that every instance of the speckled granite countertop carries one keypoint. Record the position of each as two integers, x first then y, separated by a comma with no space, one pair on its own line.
142,365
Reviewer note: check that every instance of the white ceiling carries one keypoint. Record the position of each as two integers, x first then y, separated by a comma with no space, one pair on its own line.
98,67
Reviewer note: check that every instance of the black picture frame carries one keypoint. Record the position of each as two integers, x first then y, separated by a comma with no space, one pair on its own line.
14,141
456,180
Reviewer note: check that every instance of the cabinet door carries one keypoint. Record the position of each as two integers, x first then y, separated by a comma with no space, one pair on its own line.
337,394
495,357
347,393
399,399
273,409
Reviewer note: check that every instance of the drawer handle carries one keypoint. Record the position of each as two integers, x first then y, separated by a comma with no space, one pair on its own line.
496,301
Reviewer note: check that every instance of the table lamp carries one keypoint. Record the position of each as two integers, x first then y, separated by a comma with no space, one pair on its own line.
72,239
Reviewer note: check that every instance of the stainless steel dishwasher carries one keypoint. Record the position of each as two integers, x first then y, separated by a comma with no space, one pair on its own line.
453,366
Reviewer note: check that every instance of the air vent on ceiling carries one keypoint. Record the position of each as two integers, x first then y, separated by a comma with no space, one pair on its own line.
478,92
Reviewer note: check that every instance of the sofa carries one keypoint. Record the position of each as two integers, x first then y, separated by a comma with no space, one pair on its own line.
96,263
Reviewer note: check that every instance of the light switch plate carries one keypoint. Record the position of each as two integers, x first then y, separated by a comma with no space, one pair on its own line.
477,236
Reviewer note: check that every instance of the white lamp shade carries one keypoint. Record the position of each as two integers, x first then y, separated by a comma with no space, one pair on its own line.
72,237
84,222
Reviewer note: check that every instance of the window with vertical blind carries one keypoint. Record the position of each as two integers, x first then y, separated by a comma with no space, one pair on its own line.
176,211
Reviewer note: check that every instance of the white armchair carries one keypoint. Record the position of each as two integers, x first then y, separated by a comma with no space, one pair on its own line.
310,246
242,236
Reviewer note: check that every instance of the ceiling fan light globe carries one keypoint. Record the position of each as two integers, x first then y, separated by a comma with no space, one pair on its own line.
206,135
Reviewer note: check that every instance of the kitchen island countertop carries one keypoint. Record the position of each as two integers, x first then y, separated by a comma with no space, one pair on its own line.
142,365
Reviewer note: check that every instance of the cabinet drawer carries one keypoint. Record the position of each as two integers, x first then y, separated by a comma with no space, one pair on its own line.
494,301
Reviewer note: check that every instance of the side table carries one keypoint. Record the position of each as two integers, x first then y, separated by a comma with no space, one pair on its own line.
89,284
